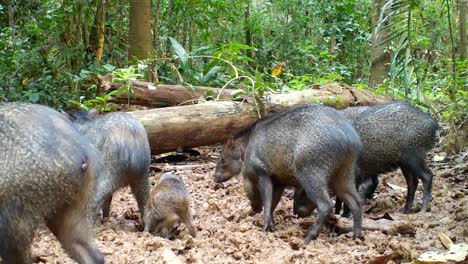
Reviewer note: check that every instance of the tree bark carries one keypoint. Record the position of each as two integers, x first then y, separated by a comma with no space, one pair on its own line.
97,32
156,24
11,14
380,59
139,33
210,123
463,42
170,26
247,28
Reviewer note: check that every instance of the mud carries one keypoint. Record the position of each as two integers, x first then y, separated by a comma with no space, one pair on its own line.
227,232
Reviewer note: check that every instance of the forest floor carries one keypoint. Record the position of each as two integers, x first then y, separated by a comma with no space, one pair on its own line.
228,233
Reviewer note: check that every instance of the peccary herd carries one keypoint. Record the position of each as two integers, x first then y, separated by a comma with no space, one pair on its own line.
62,169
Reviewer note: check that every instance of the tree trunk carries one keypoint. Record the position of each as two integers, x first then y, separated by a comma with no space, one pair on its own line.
380,59
463,45
210,123
139,33
156,24
170,26
11,14
247,28
97,32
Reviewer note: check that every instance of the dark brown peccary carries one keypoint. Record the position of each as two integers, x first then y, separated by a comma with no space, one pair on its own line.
123,143
169,202
312,147
47,173
395,135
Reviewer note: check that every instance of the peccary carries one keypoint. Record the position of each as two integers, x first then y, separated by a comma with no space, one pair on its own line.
353,112
124,146
48,170
394,135
312,147
169,202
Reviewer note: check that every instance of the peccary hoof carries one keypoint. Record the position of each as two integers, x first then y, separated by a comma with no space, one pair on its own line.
310,238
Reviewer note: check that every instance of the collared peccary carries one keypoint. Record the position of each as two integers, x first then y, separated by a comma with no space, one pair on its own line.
353,112
47,174
124,146
395,135
312,147
169,202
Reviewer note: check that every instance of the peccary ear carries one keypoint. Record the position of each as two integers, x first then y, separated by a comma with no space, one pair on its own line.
93,113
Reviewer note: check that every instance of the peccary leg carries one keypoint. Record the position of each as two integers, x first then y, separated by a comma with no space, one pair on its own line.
277,193
252,193
106,207
352,201
73,229
186,218
15,243
99,203
412,182
338,206
346,211
426,177
368,187
324,206
344,188
265,187
317,192
150,224
140,190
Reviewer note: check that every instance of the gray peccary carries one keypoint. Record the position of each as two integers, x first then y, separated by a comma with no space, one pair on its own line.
169,202
124,146
47,173
312,147
394,135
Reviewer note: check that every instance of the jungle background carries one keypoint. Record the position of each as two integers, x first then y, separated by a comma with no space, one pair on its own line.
52,52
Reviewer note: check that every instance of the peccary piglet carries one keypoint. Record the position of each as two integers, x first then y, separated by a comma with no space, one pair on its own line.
169,202
124,146
47,174
395,135
312,147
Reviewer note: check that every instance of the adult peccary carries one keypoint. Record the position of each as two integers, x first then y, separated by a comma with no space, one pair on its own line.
395,135
312,147
169,202
124,146
353,112
47,173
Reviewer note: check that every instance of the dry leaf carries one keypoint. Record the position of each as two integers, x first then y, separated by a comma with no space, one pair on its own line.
446,241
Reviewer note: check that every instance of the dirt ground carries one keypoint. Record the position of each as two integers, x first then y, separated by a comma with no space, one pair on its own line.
228,233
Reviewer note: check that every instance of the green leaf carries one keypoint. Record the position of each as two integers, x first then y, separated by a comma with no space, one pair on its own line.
179,50
211,73
34,97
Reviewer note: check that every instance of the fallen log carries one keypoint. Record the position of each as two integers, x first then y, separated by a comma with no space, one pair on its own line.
209,123
161,95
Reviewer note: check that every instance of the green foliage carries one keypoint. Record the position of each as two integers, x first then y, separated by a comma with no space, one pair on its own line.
45,57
